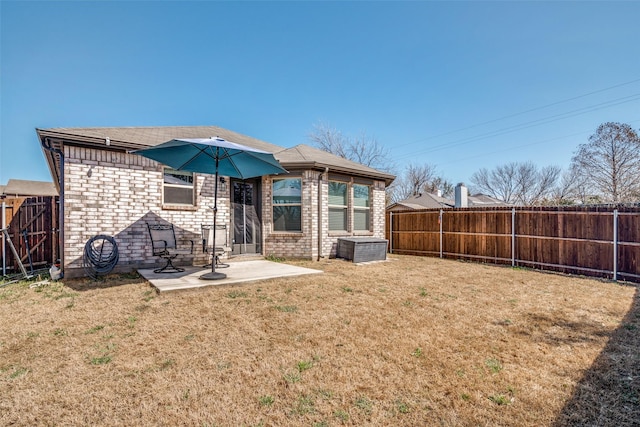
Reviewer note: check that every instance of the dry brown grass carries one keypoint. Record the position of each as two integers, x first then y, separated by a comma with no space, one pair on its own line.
413,341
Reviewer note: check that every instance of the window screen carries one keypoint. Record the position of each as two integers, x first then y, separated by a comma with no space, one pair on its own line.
178,187
287,204
361,207
337,206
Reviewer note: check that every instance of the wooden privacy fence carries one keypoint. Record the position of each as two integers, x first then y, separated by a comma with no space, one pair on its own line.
32,224
593,241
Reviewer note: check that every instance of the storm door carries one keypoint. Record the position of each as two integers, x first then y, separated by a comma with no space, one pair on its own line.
246,206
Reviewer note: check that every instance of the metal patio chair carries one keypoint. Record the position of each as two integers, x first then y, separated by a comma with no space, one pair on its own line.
221,246
165,245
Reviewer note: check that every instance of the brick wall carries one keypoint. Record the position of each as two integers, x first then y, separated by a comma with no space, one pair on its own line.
314,242
330,241
290,244
378,209
116,194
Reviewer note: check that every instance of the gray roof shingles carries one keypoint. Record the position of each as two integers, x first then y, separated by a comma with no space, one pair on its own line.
130,138
432,201
19,187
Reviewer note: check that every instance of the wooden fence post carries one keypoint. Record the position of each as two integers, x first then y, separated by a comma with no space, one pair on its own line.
390,232
440,222
4,247
513,237
615,244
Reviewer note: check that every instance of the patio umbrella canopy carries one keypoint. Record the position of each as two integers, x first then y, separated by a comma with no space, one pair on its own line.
214,156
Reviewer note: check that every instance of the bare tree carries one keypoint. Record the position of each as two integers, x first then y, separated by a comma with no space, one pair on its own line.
363,149
414,180
417,179
368,151
499,183
525,176
330,140
610,162
566,191
439,184
517,183
535,185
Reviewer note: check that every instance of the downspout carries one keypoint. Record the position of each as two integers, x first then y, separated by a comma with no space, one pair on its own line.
46,144
325,173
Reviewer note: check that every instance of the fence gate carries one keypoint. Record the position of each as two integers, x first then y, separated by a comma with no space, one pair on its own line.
32,224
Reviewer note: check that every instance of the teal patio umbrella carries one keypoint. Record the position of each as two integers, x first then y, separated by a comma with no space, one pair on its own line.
215,156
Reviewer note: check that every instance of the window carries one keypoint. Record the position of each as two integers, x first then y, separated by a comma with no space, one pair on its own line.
178,187
287,204
337,206
361,207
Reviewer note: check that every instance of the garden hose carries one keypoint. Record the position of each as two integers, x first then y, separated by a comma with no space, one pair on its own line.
100,255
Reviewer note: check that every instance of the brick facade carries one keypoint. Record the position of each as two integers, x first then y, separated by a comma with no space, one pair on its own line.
117,193
316,240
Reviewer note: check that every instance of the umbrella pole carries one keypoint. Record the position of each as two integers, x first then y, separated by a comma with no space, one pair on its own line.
213,275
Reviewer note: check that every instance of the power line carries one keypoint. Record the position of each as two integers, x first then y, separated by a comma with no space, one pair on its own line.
515,147
533,123
526,125
524,145
520,113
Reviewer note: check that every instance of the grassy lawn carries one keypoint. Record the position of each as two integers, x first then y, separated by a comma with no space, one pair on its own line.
412,341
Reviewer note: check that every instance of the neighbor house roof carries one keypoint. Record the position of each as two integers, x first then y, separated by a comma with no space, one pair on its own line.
432,201
23,188
422,201
133,138
479,200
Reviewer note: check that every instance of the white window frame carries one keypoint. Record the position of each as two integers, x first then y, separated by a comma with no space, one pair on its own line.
181,186
274,205
342,208
366,209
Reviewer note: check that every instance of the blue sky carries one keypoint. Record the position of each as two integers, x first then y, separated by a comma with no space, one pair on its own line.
460,85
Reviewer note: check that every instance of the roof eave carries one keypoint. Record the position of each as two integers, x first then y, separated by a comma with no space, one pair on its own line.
89,141
50,158
59,139
381,176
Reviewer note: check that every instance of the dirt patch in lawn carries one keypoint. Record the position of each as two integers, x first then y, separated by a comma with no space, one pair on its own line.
411,341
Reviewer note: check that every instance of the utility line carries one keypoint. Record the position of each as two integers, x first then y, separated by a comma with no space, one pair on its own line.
513,148
522,146
519,114
526,125
533,123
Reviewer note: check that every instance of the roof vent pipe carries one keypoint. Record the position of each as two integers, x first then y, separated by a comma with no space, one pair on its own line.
461,196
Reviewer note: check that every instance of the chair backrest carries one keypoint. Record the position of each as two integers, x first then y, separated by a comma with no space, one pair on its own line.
222,238
162,237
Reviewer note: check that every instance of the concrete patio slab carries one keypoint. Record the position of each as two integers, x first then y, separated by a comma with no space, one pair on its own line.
237,272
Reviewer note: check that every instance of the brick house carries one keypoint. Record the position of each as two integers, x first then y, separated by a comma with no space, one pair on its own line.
105,189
